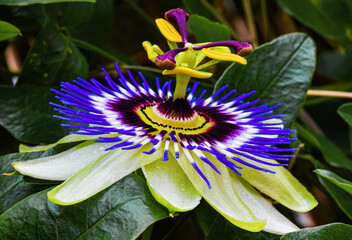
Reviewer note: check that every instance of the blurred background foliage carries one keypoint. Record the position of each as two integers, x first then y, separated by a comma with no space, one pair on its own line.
44,42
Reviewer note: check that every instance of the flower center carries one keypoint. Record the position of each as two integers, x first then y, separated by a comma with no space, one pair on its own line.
174,116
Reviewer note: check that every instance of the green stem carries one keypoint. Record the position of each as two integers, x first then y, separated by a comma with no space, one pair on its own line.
181,86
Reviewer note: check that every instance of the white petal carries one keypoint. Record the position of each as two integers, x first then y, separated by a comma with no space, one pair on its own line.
67,139
281,186
102,173
63,165
262,209
221,195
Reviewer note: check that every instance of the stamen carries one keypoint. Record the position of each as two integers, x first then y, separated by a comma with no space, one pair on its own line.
177,152
166,150
190,159
190,95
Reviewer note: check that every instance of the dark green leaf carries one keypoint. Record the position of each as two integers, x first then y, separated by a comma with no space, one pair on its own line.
279,71
123,211
28,2
12,188
335,65
27,115
345,112
332,153
217,227
52,59
82,20
342,198
334,231
206,30
334,178
8,30
331,18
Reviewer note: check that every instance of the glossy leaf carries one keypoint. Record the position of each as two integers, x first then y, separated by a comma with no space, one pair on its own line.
342,198
8,30
27,115
82,20
291,60
52,59
12,188
337,180
29,2
345,112
206,30
332,153
336,231
331,18
122,211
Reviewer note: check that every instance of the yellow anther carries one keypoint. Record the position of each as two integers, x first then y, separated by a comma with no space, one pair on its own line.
189,72
224,56
150,51
168,31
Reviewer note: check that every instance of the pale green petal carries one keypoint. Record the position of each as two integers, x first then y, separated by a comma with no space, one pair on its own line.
67,139
63,165
170,186
281,186
262,209
40,148
102,173
221,195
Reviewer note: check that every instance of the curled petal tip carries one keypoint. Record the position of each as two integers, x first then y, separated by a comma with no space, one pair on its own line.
173,14
168,64
245,51
179,17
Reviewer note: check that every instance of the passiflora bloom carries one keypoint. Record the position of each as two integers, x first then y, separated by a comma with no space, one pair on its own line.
188,146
